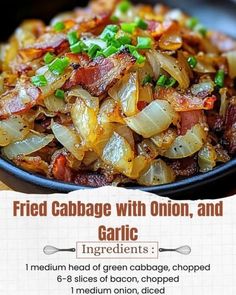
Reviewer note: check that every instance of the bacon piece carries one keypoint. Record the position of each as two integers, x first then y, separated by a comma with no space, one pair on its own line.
101,73
60,170
223,42
185,167
78,60
93,179
50,42
188,120
94,24
19,100
185,101
230,129
142,105
215,121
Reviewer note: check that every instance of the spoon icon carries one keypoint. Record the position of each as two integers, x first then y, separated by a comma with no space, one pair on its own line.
50,250
184,250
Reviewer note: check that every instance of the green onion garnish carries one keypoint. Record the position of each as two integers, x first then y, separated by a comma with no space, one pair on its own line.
60,26
162,80
109,51
48,58
144,43
125,39
78,47
99,53
114,18
192,22
72,37
170,82
140,23
115,43
59,65
147,79
128,27
165,81
39,81
220,78
139,57
192,61
93,49
124,6
131,48
113,28
200,29
109,32
60,93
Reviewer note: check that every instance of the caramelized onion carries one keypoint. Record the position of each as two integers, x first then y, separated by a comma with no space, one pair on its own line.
157,173
155,118
188,144
31,144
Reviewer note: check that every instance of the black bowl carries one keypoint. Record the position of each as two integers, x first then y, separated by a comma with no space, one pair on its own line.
217,183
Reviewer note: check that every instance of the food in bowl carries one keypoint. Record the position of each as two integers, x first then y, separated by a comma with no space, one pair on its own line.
116,93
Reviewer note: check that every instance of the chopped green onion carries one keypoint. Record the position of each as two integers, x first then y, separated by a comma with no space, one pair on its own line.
109,51
78,47
144,43
131,48
128,27
48,58
93,49
114,18
162,80
165,81
147,79
140,23
220,78
39,81
113,28
192,22
60,93
59,65
115,43
200,29
192,61
107,35
139,57
99,53
170,82
60,26
109,32
72,37
124,6
125,39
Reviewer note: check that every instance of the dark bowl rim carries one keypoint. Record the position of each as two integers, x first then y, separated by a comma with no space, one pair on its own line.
180,186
